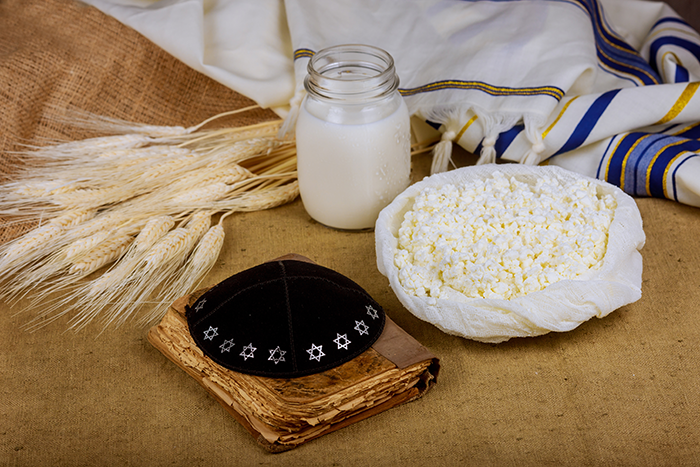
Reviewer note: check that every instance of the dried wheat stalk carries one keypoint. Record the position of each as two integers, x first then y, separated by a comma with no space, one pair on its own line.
126,220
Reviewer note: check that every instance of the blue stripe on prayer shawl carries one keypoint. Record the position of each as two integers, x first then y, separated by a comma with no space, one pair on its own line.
691,47
639,160
613,172
682,75
690,132
598,175
662,162
627,165
507,137
503,141
612,50
588,122
671,20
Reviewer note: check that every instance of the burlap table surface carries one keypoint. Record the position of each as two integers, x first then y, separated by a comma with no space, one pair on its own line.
616,391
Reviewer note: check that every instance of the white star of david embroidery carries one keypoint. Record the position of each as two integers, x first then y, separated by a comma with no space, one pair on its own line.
277,355
210,333
372,312
226,346
317,356
248,351
342,341
200,305
361,327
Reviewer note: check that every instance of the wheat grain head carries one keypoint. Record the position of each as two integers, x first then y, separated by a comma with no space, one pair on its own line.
73,217
32,241
104,253
198,265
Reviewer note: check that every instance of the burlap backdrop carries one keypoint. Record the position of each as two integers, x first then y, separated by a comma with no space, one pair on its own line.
59,55
618,391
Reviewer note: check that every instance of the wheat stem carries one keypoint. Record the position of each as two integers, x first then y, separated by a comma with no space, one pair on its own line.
223,114
229,136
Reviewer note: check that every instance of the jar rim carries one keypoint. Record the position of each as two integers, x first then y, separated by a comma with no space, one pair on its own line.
351,71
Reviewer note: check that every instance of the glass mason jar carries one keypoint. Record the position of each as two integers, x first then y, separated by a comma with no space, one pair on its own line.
352,136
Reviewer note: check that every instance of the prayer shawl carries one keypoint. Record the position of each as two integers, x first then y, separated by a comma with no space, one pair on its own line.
606,88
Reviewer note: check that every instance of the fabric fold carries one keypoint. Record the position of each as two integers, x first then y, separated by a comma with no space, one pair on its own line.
557,82
243,45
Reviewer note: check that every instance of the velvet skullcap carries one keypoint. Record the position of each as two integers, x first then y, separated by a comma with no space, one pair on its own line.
284,319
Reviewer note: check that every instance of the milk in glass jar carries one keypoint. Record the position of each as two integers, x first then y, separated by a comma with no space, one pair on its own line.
352,136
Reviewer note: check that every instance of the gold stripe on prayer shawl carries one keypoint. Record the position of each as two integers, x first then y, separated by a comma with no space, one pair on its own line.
551,91
624,161
464,128
663,61
668,167
599,24
651,164
684,129
680,104
303,53
556,120
603,26
628,65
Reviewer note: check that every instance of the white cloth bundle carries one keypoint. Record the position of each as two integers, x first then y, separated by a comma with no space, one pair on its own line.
561,306
606,88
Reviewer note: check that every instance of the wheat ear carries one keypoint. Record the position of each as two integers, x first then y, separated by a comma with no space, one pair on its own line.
73,217
92,297
104,253
75,293
206,176
198,265
32,241
25,252
102,289
140,281
45,252
119,183
155,268
98,144
266,198
99,255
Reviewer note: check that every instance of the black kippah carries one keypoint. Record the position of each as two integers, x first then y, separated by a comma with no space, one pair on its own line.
284,319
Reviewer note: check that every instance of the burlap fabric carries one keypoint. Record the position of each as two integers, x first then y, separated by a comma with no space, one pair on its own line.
616,391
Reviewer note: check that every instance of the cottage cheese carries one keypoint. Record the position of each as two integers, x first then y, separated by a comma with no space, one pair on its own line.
501,238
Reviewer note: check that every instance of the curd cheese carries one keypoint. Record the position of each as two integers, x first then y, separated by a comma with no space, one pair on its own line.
501,238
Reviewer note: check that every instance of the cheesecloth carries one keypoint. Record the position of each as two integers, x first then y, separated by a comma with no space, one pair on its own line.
561,306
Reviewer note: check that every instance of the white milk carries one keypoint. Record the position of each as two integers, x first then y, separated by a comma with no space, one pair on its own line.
349,170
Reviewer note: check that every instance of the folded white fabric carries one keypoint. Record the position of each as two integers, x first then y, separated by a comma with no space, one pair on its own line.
606,88
457,60
243,44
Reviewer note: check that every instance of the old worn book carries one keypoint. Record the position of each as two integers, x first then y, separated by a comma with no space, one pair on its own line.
283,413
